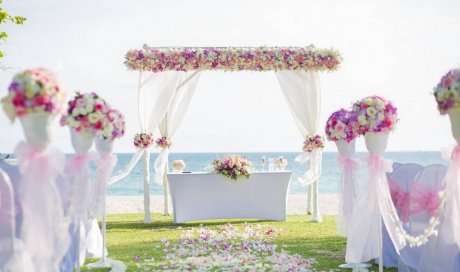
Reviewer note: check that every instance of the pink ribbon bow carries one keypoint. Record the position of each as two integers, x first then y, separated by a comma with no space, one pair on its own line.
347,163
424,199
378,162
48,163
401,199
78,163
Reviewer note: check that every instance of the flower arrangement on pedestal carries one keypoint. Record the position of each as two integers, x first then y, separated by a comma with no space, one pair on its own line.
233,167
447,92
143,140
112,126
86,113
33,91
313,142
341,126
375,114
163,142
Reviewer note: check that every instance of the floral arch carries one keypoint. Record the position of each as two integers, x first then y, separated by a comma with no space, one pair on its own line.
168,78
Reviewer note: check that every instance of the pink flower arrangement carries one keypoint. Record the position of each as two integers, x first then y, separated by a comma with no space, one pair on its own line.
32,91
86,113
233,167
232,59
163,142
341,126
112,126
375,114
143,140
313,142
447,92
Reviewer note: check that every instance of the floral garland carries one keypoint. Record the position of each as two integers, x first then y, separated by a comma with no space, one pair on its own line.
313,142
163,142
375,114
447,92
233,59
32,91
143,140
341,126
85,113
233,167
112,126
430,230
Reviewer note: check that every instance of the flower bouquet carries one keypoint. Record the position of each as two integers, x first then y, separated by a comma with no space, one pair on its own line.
375,114
86,113
376,117
35,97
163,142
313,142
143,140
178,165
112,126
33,91
447,95
342,129
233,167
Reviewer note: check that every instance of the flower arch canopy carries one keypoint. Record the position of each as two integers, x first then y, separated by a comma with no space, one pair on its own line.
161,59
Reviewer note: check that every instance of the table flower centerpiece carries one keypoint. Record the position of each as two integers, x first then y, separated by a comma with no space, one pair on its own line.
233,167
178,165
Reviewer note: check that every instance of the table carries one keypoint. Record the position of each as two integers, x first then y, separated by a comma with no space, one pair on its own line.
197,196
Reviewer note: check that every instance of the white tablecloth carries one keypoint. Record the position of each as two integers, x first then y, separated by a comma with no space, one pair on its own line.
197,196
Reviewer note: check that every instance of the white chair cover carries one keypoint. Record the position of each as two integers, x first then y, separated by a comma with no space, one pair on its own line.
431,178
7,220
403,175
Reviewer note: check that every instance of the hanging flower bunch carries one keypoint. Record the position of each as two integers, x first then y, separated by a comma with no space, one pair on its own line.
32,91
341,126
113,125
313,142
375,114
86,113
447,92
143,140
233,59
233,167
163,142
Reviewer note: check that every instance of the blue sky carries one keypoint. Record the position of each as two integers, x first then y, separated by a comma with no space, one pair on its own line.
396,49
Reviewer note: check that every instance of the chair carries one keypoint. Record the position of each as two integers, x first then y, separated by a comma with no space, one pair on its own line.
7,220
431,178
403,175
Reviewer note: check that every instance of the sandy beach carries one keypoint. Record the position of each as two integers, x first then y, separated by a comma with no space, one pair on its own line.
297,204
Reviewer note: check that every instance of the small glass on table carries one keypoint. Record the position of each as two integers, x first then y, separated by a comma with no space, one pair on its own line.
271,164
263,161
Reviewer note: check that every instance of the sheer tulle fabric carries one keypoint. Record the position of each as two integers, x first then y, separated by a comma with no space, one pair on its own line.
105,166
347,186
44,233
373,204
302,91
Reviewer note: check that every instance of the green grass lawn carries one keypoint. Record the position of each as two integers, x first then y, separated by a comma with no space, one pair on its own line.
127,237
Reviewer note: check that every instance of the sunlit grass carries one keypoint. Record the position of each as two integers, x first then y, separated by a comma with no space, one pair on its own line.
128,237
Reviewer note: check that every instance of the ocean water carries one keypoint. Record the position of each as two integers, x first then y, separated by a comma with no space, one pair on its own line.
196,162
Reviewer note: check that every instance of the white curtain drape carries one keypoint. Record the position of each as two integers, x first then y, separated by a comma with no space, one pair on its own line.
303,93
155,93
171,121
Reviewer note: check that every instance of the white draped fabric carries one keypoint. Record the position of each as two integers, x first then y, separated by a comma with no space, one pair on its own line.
303,93
373,205
171,121
155,93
